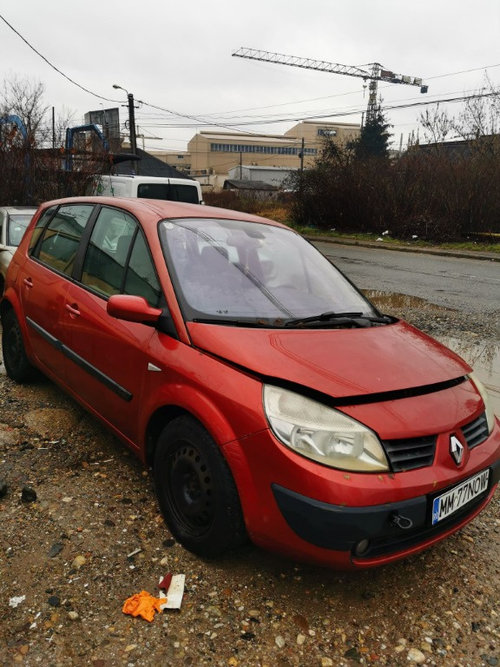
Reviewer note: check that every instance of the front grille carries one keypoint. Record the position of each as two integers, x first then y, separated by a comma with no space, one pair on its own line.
410,453
476,432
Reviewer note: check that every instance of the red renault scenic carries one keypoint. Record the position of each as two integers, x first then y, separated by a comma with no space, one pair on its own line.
270,398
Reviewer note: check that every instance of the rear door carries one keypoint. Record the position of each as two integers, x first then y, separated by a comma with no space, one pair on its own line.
45,277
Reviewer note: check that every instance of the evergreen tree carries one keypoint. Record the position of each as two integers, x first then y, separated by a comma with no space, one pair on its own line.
374,138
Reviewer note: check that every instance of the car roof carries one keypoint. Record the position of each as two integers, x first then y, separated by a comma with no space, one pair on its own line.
164,208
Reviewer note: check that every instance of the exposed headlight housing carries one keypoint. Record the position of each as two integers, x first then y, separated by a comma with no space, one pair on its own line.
490,417
321,433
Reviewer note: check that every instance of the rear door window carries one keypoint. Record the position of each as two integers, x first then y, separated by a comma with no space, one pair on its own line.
40,226
61,237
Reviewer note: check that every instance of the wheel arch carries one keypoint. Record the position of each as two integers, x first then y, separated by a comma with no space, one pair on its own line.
5,306
214,424
199,406
8,304
10,301
157,422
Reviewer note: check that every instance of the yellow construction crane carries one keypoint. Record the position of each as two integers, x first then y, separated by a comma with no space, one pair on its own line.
374,75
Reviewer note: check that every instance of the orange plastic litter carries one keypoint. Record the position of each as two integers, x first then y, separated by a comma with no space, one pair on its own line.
143,604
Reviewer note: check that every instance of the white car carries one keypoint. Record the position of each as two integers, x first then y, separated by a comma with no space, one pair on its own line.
13,223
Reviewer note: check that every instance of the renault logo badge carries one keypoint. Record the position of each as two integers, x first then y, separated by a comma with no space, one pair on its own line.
456,450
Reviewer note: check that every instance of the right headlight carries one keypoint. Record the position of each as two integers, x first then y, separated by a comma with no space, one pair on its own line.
321,433
490,417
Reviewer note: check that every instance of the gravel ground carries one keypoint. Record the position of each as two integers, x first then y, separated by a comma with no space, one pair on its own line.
65,568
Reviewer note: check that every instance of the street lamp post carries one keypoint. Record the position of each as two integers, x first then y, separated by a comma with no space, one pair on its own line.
131,119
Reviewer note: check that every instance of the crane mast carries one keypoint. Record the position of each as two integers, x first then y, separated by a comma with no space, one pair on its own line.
374,75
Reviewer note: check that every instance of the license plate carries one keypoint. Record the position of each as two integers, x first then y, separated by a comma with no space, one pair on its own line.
453,500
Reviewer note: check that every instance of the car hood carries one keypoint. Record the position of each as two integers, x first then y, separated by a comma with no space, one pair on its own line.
338,362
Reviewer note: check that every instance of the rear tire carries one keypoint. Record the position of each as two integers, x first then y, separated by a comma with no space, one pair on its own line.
196,491
15,359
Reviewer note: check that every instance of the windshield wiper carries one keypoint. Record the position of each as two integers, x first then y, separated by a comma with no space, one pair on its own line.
354,318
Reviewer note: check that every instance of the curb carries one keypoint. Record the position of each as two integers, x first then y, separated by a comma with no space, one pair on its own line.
461,254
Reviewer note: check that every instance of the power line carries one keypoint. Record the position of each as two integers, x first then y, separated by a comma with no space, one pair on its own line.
197,121
353,92
107,99
206,122
464,71
101,97
248,118
328,114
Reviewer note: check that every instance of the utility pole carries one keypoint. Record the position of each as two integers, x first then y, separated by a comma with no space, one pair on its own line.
301,154
131,119
53,128
131,122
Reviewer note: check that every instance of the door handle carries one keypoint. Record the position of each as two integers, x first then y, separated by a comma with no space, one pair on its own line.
28,282
73,309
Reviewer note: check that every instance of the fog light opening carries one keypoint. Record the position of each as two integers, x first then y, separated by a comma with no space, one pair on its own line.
361,547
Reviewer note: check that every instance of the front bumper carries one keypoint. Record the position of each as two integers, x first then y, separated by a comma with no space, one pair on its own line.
377,530
309,512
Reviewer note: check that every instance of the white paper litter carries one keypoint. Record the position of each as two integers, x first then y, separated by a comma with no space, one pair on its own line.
15,601
175,592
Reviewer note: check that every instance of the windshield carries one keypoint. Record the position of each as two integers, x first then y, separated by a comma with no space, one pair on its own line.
236,270
18,222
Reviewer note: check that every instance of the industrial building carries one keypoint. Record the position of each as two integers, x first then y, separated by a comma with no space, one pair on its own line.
211,155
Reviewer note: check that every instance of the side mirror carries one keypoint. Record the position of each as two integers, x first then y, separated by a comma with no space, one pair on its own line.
132,309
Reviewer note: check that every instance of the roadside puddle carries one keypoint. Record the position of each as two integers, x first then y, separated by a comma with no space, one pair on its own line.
482,355
388,301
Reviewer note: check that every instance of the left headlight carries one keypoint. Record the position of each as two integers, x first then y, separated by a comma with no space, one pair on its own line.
321,433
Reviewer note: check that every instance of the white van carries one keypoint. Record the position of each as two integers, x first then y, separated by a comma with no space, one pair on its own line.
149,187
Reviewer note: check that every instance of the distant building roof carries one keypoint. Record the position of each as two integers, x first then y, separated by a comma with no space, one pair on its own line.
253,138
148,165
462,147
244,184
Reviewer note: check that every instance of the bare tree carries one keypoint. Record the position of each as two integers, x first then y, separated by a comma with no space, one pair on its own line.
62,120
436,124
31,170
24,98
480,116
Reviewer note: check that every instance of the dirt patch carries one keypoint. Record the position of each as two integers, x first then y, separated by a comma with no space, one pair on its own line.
66,568
53,422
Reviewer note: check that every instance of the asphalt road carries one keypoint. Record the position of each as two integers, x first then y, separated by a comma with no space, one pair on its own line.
464,284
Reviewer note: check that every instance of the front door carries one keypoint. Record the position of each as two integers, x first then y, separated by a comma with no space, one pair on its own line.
109,357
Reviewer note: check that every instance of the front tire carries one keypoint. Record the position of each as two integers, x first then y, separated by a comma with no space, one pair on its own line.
196,491
15,359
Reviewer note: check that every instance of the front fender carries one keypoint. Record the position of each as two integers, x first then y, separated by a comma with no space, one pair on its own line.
228,410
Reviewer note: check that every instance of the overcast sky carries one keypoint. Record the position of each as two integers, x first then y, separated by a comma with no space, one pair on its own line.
177,55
